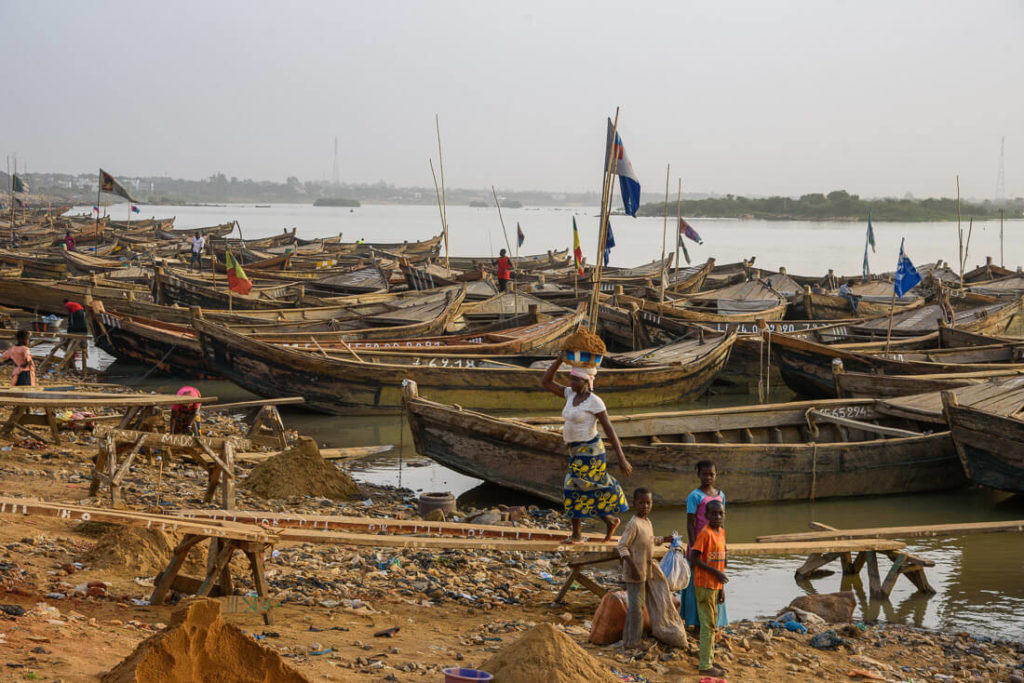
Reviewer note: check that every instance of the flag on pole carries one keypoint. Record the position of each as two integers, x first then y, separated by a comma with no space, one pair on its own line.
907,276
135,209
109,184
95,209
871,233
237,280
577,252
20,202
609,242
686,230
865,267
18,184
629,184
520,234
686,254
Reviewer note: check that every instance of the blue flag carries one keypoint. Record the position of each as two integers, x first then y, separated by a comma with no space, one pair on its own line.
907,276
609,242
629,184
521,236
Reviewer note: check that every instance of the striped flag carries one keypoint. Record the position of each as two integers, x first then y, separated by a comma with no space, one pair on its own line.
237,279
577,251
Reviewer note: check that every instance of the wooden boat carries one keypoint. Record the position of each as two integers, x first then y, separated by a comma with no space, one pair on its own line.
283,239
431,276
175,287
786,451
743,302
173,348
987,425
987,272
35,266
807,367
222,230
990,318
82,263
144,224
373,278
870,385
427,248
875,299
272,263
47,296
1012,287
348,386
678,281
552,259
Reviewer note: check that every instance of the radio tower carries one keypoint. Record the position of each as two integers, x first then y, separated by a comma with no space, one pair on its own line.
335,176
1001,176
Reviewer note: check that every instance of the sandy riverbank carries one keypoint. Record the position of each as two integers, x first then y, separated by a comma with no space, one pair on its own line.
451,608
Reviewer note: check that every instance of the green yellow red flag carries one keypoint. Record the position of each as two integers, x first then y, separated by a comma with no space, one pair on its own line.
237,280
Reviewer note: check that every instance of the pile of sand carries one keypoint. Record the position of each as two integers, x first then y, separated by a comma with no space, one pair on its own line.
142,551
546,654
584,340
199,645
300,471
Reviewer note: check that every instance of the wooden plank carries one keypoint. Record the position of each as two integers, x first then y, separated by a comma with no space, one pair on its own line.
958,529
242,405
41,399
158,439
74,513
349,453
874,584
864,426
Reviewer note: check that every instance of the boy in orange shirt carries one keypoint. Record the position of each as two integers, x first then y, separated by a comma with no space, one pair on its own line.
709,579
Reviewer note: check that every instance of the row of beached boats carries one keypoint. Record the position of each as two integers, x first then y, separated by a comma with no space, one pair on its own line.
368,327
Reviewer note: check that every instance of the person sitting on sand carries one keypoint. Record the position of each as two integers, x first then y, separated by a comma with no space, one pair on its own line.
24,374
588,490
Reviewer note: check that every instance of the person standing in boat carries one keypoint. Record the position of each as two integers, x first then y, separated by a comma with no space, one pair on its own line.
76,317
24,374
198,243
504,271
588,490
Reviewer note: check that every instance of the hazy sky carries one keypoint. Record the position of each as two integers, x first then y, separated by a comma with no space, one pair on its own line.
879,98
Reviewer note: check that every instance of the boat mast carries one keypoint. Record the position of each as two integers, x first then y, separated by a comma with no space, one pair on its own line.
606,194
664,239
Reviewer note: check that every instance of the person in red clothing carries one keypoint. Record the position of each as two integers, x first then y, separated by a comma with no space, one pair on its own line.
69,241
504,271
76,317
185,416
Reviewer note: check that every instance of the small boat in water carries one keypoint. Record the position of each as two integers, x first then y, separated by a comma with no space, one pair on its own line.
987,425
784,451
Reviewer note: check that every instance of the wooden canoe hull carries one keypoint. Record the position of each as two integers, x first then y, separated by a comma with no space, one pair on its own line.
341,386
991,447
694,314
525,458
830,307
170,353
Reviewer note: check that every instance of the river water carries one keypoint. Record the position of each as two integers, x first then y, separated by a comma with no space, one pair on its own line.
979,579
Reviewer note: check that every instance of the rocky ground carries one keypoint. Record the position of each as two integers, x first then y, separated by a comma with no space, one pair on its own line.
69,614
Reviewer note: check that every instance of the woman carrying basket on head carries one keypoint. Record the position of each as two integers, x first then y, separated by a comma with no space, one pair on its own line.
588,490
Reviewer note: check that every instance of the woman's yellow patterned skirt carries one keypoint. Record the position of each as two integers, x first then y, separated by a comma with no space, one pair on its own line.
588,489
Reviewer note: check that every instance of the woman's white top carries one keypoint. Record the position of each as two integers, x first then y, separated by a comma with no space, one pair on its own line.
581,420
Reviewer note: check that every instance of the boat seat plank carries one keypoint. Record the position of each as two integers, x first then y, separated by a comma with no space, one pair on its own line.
865,426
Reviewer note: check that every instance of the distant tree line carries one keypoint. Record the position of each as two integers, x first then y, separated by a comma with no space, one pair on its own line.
836,205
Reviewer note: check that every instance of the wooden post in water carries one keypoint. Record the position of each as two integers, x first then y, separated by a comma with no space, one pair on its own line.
444,201
664,239
1001,263
606,195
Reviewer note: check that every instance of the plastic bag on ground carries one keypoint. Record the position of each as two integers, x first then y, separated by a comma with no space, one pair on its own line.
674,565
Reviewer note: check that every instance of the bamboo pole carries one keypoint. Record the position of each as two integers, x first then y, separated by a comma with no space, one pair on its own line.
444,199
606,194
959,232
515,310
967,246
892,307
11,177
664,240
1001,263
440,209
679,215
